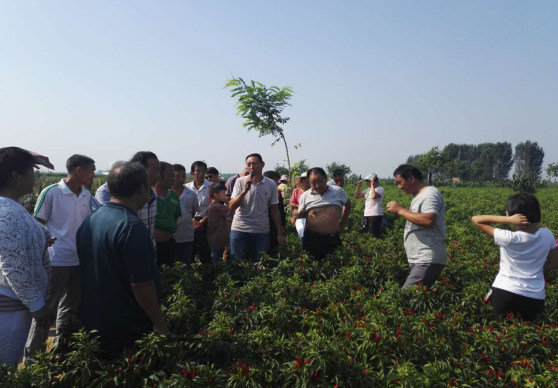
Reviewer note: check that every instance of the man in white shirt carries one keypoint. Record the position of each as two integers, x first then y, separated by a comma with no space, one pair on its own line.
338,178
201,187
62,208
253,199
326,209
374,195
189,206
425,230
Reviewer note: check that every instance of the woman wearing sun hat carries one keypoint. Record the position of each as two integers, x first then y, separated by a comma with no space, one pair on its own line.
373,213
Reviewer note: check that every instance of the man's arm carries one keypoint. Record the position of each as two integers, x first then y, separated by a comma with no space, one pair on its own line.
422,219
146,295
374,194
345,216
358,194
484,222
237,201
276,217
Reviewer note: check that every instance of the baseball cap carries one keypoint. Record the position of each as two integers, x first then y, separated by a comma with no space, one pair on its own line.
284,178
370,177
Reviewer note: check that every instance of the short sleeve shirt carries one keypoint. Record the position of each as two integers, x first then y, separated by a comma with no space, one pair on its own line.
63,212
103,194
522,259
188,206
115,251
334,196
148,213
203,197
427,245
295,198
168,210
252,216
373,206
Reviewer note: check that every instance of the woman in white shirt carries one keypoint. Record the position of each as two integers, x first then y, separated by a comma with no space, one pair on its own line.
525,255
24,259
373,213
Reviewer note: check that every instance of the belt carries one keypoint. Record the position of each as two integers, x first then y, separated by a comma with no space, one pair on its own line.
320,234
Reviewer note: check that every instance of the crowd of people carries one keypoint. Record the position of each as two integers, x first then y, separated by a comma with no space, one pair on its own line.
146,216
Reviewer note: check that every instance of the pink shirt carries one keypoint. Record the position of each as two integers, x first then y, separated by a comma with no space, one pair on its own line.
295,198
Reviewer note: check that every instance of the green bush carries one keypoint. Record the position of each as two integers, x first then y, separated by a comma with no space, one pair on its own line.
345,322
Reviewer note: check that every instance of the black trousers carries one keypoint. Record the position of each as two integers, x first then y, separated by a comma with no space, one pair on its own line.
165,252
320,245
374,225
201,246
504,302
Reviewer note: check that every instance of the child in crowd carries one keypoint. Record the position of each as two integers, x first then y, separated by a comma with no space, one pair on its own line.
218,227
524,255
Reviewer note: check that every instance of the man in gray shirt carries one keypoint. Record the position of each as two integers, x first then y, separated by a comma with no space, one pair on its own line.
252,199
425,230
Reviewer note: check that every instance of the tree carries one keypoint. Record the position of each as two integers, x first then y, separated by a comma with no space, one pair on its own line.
528,159
503,161
552,170
337,166
261,107
299,168
430,163
281,170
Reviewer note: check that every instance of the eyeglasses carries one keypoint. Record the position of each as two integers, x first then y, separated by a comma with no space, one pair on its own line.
208,176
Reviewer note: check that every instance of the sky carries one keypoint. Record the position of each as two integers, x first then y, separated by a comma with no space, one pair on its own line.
374,81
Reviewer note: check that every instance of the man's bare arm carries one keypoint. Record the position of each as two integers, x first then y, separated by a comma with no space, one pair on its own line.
146,295
345,216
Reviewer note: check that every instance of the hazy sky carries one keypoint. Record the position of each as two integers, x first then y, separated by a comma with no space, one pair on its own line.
374,81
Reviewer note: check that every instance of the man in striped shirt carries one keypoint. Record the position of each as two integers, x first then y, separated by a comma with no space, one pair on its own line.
151,163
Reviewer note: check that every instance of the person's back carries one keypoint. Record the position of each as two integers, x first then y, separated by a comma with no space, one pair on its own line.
522,259
112,246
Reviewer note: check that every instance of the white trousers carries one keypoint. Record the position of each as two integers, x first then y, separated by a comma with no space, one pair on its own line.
14,329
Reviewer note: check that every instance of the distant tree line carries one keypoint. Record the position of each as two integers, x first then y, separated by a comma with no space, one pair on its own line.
487,162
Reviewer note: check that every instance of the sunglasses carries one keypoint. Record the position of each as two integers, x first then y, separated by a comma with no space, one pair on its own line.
208,176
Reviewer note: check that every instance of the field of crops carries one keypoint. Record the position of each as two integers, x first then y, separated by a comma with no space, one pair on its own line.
345,322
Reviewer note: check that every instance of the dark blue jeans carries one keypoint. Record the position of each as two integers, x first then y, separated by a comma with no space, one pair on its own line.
183,252
241,242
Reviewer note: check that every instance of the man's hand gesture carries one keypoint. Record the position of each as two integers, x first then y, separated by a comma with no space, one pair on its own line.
394,207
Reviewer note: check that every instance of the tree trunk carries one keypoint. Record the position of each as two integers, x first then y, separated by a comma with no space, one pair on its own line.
288,158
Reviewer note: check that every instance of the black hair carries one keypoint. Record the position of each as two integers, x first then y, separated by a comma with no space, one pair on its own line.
212,170
142,157
317,170
163,166
76,161
273,175
526,204
338,172
216,188
125,180
198,163
255,156
407,171
178,167
13,159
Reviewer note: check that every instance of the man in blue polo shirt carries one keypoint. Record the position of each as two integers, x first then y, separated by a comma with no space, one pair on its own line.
120,294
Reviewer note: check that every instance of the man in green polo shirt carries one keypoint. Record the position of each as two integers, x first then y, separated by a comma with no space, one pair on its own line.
168,211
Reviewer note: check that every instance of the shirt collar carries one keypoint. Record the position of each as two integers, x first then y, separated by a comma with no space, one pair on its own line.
316,193
66,190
